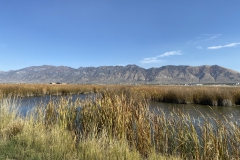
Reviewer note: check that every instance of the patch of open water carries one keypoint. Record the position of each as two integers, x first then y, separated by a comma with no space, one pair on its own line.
195,111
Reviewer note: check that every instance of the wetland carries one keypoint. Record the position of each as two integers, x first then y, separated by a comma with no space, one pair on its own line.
127,121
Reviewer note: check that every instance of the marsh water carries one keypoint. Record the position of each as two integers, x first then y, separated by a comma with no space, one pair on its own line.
195,111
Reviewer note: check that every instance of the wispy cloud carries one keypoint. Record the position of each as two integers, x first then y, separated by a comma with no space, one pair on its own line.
204,38
150,60
157,59
199,47
172,53
224,46
208,37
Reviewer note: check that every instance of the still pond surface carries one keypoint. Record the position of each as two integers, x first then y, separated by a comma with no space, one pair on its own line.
195,111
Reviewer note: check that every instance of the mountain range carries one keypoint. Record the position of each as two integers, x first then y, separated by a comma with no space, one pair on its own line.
130,74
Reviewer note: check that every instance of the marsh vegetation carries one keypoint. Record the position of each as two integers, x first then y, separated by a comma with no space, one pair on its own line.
206,95
117,124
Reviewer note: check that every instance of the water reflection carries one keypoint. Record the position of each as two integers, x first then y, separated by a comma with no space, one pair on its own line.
28,103
195,111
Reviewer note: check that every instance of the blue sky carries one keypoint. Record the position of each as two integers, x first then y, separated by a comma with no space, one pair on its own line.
83,33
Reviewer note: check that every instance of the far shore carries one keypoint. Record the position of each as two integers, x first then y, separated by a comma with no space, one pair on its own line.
212,95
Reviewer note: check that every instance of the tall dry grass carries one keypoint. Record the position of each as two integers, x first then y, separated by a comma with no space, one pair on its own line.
206,95
116,125
83,129
25,90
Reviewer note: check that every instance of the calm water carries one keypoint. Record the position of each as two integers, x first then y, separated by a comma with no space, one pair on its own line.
28,103
195,111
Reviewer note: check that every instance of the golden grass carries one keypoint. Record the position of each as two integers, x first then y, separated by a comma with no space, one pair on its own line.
25,90
206,95
68,130
114,125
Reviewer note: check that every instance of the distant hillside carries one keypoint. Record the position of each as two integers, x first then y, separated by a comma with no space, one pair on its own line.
122,74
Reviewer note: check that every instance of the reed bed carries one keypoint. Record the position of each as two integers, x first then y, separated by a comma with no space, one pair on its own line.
206,95
26,90
64,129
114,125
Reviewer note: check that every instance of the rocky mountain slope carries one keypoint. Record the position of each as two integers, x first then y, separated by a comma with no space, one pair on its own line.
122,74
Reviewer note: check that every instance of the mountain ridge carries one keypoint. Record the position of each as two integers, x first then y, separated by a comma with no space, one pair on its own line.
170,74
